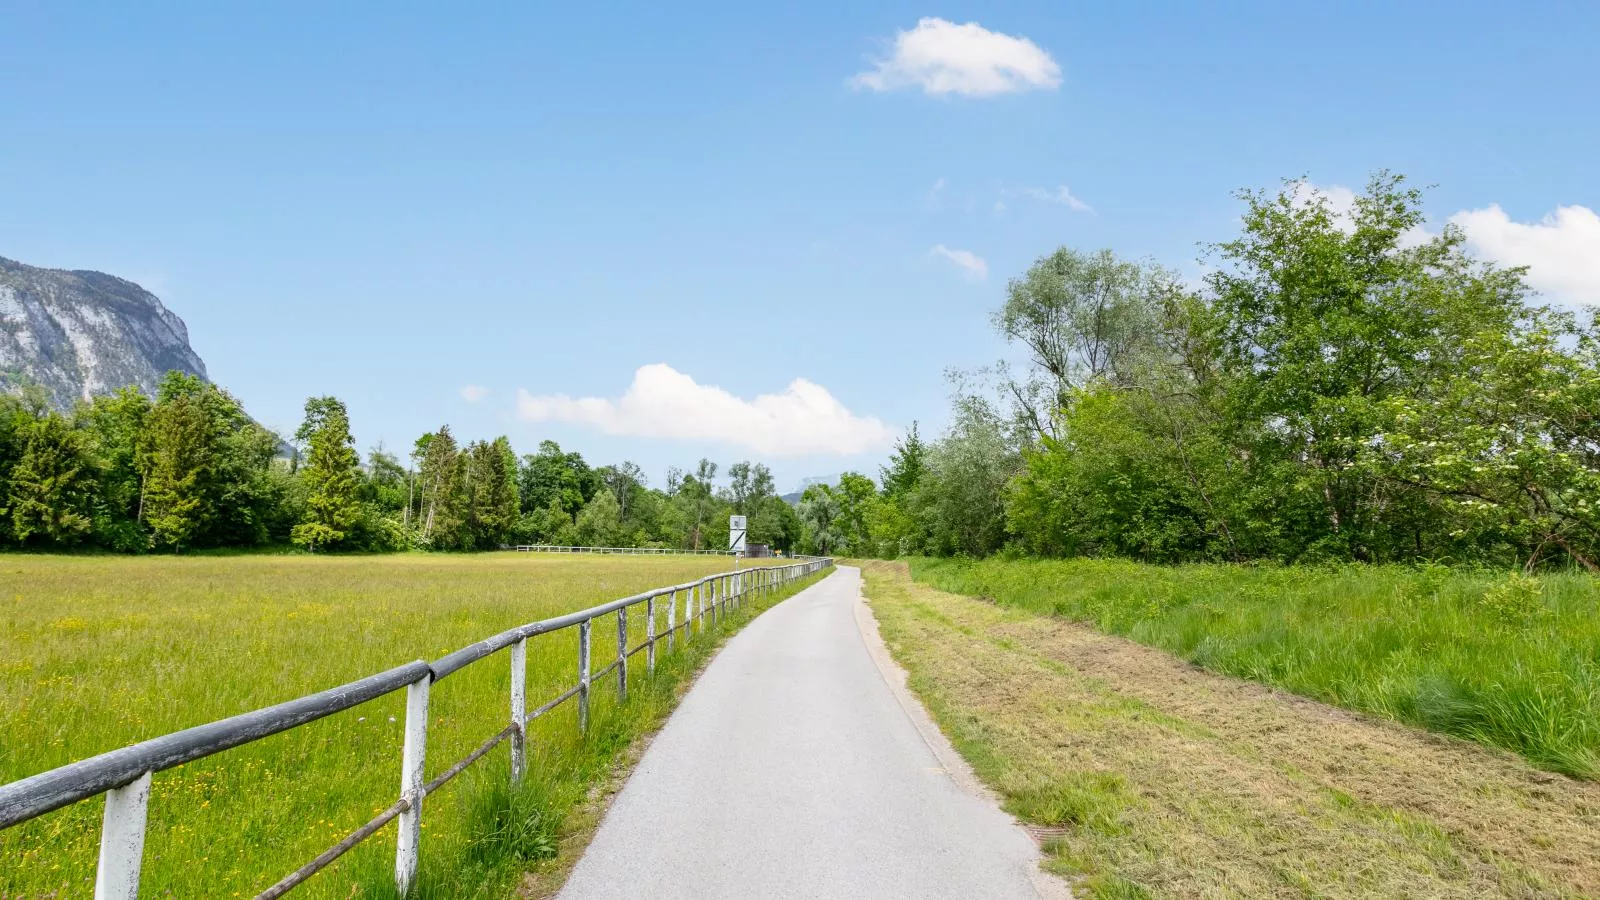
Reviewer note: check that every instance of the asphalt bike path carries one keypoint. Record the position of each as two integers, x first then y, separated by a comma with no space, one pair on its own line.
796,767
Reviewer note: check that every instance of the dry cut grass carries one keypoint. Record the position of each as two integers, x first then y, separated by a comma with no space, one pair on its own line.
1159,779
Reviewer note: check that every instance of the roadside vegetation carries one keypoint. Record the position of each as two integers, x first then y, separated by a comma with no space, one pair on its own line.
100,652
1503,659
1147,778
1344,384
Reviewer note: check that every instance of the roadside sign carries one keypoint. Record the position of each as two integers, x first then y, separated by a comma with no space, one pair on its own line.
736,533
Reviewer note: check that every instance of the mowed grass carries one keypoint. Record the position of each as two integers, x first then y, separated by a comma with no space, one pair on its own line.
99,652
1148,777
1498,658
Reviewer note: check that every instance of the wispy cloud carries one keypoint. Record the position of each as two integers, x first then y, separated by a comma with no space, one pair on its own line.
472,393
803,420
971,263
1059,195
941,57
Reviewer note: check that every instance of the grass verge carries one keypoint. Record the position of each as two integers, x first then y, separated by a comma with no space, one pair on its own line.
1505,660
1149,777
96,653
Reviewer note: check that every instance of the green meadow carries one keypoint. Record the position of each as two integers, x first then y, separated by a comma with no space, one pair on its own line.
98,652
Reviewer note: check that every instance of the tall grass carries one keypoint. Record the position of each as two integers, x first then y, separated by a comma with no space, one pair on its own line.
97,653
1502,659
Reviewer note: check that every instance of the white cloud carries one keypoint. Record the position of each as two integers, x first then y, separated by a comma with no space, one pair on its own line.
999,207
1060,195
941,57
970,262
803,420
938,185
1561,251
472,393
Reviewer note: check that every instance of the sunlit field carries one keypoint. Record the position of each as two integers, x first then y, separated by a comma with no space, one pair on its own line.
97,653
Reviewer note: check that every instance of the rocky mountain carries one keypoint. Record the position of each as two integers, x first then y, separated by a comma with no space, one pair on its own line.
81,334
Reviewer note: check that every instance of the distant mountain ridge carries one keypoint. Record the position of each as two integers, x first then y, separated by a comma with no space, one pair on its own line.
80,334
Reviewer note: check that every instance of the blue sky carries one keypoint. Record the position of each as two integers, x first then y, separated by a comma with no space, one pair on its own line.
392,203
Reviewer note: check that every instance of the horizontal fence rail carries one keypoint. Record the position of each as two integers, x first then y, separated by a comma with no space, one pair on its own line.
652,551
124,775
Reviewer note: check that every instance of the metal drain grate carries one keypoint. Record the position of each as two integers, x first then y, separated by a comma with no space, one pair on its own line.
1046,834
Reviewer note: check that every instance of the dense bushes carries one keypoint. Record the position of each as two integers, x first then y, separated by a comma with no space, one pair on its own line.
1343,385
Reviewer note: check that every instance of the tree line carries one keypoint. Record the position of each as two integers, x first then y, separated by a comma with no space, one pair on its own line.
188,469
1341,385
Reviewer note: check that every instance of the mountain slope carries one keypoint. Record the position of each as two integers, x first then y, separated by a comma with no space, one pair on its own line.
80,334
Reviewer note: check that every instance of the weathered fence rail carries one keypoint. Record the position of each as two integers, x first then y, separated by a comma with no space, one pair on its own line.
124,775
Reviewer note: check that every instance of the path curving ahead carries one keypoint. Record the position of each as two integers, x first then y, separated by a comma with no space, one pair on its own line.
791,769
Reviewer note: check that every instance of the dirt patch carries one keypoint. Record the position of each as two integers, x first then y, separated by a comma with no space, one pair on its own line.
1167,780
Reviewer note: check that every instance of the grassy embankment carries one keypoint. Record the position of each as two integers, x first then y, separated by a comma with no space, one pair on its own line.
96,653
1504,660
1166,780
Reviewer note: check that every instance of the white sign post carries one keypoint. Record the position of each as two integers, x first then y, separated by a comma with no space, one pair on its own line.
736,537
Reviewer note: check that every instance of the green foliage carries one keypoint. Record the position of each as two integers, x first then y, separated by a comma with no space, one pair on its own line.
550,475
599,524
493,501
961,497
115,427
1344,386
444,522
1081,317
190,470
180,468
907,465
333,503
52,484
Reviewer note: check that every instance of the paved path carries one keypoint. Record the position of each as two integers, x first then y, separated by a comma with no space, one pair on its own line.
791,769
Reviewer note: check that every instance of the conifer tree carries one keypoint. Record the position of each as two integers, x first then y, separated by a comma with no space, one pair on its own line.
442,488
178,464
52,484
333,502
494,491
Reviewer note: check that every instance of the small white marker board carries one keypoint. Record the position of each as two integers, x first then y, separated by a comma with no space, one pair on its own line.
736,534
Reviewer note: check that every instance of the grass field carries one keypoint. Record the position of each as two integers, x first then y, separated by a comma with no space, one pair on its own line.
1149,777
1504,660
100,652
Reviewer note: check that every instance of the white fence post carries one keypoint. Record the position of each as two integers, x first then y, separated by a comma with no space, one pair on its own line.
622,654
672,624
519,710
411,761
650,634
122,841
583,674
